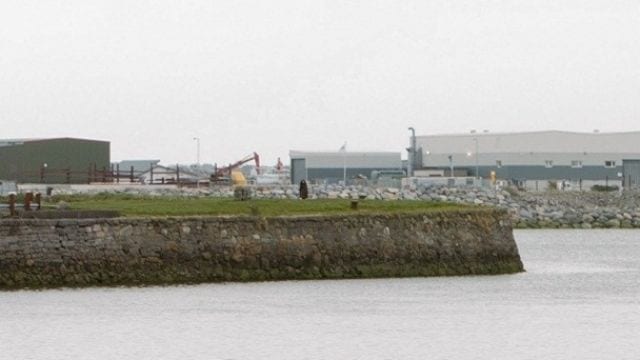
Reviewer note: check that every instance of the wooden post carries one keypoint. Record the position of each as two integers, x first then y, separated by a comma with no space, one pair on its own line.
151,174
178,175
118,173
28,197
38,201
12,204
131,176
104,174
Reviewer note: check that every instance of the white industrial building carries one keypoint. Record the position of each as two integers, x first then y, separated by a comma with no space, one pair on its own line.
330,167
529,158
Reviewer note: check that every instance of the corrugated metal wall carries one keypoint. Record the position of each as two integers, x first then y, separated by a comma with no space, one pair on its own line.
66,160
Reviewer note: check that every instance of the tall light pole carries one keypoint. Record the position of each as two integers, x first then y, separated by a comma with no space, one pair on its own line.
476,140
412,153
197,139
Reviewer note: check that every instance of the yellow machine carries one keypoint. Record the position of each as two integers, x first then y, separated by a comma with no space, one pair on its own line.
229,174
237,178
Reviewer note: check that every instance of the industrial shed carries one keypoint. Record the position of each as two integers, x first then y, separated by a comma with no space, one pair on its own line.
57,160
580,159
329,167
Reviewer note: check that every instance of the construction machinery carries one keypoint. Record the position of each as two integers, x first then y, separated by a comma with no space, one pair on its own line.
229,175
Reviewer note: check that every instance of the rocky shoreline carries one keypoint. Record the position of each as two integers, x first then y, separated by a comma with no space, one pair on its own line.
579,210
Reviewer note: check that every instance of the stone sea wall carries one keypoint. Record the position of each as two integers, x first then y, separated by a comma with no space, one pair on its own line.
136,251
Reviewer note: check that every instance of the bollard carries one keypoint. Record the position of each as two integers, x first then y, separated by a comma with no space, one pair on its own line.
28,198
12,204
38,200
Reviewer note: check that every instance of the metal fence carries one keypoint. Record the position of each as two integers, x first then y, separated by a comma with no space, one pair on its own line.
154,175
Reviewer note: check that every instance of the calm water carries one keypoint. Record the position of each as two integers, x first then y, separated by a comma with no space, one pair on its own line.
579,299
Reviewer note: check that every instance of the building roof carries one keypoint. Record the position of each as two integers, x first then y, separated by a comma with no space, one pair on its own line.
338,159
551,141
138,165
159,170
13,142
301,154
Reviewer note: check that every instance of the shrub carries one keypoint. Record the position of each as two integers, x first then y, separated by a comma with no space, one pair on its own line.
604,188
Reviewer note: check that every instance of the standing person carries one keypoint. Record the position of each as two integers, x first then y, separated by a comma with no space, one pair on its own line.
304,191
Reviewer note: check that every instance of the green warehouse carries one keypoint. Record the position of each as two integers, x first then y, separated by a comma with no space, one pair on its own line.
53,161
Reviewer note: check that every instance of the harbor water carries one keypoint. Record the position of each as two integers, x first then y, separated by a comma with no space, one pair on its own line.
578,299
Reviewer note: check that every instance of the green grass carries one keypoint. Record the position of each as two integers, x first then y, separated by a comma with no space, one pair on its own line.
166,206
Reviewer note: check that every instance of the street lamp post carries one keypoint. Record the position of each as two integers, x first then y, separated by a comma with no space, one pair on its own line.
197,139
477,174
412,153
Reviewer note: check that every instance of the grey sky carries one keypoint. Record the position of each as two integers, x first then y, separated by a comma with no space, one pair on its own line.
276,75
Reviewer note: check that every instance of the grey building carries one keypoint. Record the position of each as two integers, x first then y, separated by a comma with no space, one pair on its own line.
329,167
137,166
537,156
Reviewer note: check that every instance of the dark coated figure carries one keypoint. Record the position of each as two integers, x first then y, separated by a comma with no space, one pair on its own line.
304,190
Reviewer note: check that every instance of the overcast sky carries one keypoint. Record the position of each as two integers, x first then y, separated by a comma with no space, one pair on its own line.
270,76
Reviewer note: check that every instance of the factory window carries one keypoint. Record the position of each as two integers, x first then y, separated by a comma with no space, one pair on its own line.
548,163
610,164
498,164
576,163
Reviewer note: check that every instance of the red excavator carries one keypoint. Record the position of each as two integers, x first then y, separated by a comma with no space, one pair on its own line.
226,172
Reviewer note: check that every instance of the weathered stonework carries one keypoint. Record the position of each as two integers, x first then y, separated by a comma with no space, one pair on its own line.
131,251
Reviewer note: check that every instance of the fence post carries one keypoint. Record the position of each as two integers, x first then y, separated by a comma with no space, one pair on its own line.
12,204
38,201
104,174
178,175
151,174
117,173
28,197
131,178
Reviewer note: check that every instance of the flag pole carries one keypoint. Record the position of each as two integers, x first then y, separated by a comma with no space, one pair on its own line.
344,163
344,167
